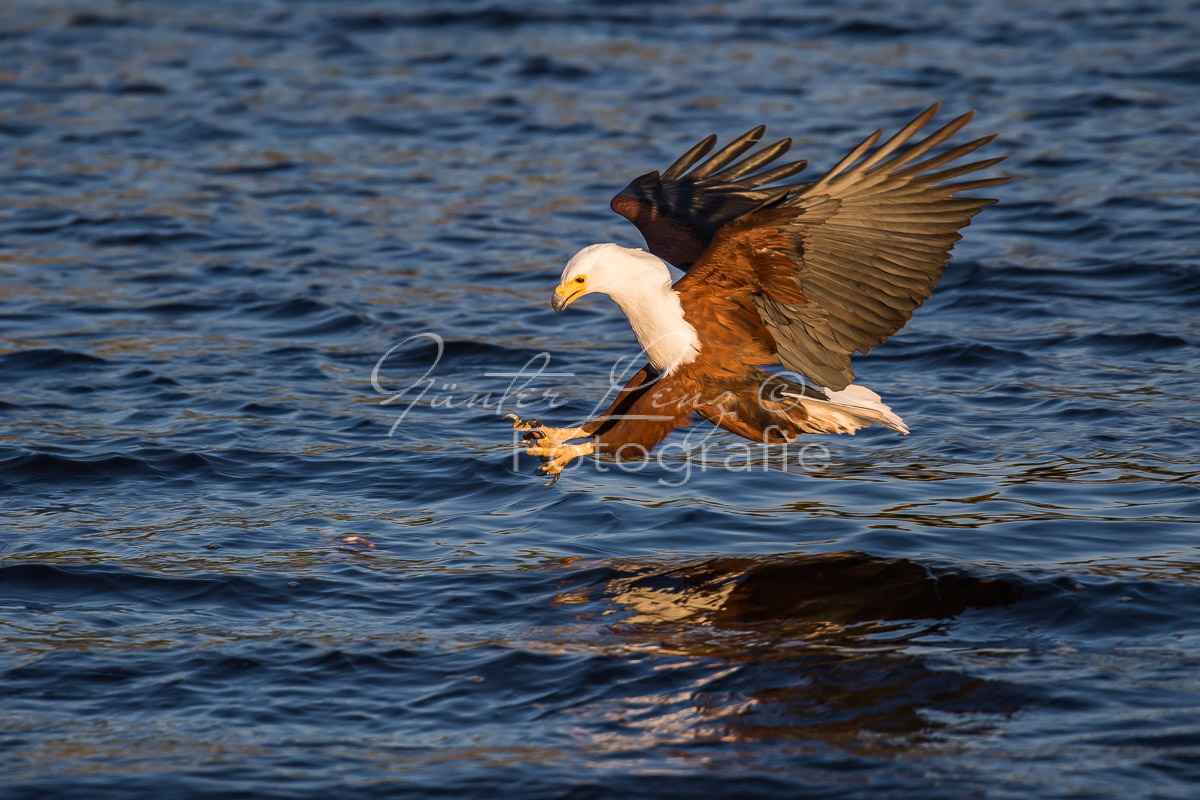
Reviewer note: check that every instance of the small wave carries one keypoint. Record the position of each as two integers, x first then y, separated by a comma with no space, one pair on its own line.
180,308
321,319
89,19
961,353
290,309
868,29
47,360
100,137
543,67
142,87
93,586
423,351
185,128
50,469
150,239
1142,343
486,18
16,129
336,45
253,169
374,125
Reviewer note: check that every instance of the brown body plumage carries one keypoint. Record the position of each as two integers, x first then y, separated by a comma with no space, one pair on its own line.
800,275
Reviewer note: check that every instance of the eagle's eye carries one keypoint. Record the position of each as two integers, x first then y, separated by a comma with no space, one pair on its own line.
579,279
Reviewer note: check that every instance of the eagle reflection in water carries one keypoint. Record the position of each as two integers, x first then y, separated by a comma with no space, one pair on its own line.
839,648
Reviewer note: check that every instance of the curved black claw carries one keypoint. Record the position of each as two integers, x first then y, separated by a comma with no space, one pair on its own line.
533,436
553,480
518,422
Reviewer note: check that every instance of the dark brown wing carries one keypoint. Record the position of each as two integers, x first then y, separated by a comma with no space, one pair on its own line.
679,211
864,246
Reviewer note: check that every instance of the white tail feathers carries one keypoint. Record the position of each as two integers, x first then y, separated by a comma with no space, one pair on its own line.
849,410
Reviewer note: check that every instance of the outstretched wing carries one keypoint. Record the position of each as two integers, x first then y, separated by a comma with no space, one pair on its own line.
860,250
679,211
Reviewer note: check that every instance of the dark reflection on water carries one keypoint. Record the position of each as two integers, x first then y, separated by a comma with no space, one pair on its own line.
840,589
817,646
234,566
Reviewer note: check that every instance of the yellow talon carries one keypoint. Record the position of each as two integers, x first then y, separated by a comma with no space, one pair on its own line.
555,459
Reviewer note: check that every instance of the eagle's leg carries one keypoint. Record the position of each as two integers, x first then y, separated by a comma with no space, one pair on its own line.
538,435
609,433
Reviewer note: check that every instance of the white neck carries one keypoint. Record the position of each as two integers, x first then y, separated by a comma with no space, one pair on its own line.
656,316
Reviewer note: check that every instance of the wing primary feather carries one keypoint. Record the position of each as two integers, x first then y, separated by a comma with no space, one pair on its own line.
793,188
769,196
925,145
729,152
982,183
901,136
753,162
688,159
962,169
777,173
953,154
851,157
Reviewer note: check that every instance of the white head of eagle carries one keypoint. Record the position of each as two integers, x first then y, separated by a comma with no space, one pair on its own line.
640,283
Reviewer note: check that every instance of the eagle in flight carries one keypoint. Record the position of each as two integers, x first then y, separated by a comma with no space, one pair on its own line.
796,276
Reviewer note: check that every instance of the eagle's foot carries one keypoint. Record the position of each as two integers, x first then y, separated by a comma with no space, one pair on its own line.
554,458
539,436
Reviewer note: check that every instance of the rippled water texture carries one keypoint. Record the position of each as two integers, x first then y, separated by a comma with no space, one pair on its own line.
235,565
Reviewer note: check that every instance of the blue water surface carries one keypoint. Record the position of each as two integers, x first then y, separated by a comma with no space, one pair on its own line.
272,272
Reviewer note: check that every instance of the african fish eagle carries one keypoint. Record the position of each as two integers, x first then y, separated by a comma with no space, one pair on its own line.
800,275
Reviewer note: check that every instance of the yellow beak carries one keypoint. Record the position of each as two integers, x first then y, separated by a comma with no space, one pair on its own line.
565,295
